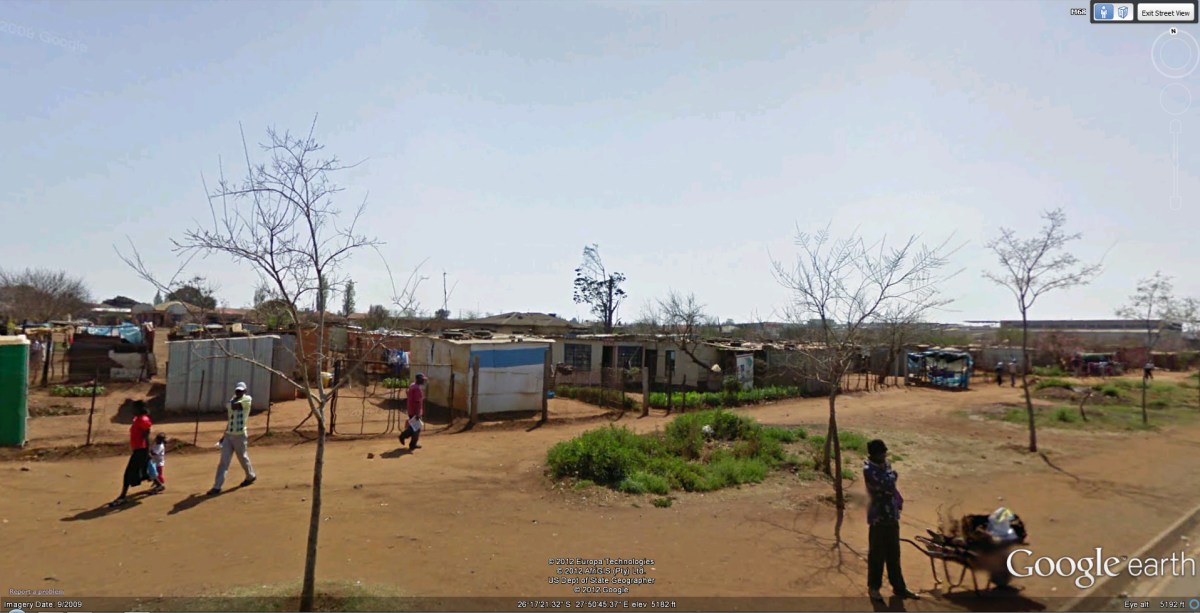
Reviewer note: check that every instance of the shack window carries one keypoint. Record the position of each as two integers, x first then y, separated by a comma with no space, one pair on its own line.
629,357
578,356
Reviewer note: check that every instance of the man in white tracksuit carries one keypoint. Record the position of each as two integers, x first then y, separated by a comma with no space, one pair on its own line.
234,440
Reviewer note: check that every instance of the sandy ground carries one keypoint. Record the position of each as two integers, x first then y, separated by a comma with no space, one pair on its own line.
472,514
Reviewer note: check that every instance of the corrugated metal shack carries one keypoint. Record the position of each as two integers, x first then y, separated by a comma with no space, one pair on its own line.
221,364
510,372
116,353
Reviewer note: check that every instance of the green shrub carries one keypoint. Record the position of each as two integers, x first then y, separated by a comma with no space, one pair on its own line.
662,503
697,400
1054,383
1158,404
75,391
395,384
642,482
681,457
1108,389
593,395
1050,371
1065,415
851,441
785,435
605,456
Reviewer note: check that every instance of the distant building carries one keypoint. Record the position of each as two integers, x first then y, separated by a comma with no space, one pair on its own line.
540,324
1103,334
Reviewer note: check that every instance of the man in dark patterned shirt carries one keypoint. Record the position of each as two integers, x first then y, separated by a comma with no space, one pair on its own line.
883,515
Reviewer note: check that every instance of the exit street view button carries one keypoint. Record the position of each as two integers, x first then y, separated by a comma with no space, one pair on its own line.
1167,12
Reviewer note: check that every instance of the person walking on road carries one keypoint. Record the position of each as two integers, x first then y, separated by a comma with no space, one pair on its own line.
1000,373
416,413
883,516
138,467
235,440
1012,373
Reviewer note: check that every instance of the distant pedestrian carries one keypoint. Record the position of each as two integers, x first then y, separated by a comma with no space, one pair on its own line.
137,469
37,354
1000,373
158,457
1012,372
416,413
883,516
235,440
1148,371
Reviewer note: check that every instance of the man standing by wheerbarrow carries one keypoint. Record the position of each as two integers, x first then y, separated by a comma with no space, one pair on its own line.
416,413
883,514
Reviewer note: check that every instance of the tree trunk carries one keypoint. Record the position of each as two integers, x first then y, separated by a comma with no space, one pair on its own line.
839,494
1025,381
830,434
308,592
1145,385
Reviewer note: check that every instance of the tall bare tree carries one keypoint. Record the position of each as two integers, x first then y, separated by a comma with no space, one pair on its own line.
1032,267
1155,305
898,325
42,295
684,320
281,221
598,288
840,287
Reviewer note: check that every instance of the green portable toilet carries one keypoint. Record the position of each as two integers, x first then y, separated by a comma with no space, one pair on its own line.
14,389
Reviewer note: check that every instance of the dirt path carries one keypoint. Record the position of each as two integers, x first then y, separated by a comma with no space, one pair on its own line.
471,514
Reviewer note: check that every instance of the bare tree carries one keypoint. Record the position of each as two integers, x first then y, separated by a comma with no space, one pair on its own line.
598,288
684,319
898,326
1155,305
280,220
840,287
42,295
1030,268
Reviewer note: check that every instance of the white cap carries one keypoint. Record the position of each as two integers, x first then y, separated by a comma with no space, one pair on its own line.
240,387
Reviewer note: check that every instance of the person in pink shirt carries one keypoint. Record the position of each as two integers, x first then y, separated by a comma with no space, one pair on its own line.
416,412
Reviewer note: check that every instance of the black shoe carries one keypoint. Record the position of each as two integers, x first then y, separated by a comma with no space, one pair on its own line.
214,491
249,481
414,447
116,503
907,595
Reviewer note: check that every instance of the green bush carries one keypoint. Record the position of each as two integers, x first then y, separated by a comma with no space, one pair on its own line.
1065,415
851,441
698,400
1158,404
605,456
395,384
1108,389
1050,371
75,391
681,457
593,395
662,503
1054,383
642,482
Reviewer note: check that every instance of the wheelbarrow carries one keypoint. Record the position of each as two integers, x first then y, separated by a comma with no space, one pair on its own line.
974,549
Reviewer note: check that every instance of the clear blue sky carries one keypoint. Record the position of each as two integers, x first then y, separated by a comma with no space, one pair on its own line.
686,138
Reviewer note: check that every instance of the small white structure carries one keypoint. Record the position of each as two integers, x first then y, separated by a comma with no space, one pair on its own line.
510,372
221,364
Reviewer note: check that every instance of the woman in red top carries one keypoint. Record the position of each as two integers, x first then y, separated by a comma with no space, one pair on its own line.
139,460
